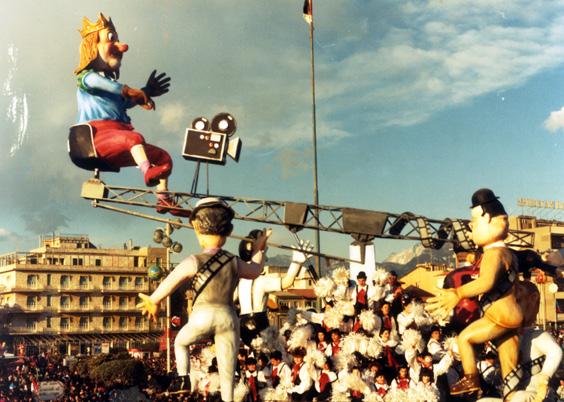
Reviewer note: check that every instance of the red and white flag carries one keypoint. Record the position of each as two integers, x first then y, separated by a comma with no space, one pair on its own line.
308,16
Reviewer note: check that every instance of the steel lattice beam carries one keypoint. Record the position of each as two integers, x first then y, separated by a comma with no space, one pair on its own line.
362,225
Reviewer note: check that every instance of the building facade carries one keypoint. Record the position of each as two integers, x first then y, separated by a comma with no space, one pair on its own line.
72,297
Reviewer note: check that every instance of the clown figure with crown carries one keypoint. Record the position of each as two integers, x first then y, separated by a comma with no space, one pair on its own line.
103,104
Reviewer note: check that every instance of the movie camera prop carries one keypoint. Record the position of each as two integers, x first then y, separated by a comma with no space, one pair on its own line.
212,142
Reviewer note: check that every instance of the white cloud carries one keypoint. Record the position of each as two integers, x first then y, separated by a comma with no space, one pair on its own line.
172,116
555,121
444,56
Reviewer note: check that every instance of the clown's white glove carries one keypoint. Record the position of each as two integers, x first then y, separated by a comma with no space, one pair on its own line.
301,252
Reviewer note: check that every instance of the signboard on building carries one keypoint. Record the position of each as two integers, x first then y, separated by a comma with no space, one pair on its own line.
531,203
106,347
51,390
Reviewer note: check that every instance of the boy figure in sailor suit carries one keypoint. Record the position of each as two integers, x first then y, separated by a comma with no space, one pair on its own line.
213,313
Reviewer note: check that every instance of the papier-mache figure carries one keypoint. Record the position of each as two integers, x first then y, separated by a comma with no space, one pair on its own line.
103,104
214,274
539,356
495,287
253,294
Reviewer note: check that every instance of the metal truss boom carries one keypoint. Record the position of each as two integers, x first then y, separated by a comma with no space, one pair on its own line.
362,225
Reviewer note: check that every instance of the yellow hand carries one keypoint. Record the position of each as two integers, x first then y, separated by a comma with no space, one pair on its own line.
441,305
147,307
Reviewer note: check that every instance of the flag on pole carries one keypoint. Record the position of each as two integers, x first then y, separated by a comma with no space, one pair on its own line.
308,17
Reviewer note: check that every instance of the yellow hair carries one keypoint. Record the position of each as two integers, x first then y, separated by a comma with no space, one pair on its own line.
89,45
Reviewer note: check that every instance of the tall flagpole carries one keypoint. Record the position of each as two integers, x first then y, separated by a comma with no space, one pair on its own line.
315,184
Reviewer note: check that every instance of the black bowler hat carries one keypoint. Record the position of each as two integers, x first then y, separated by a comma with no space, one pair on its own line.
489,202
361,275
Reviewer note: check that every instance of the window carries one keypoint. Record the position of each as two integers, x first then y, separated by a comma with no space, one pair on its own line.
123,322
107,322
65,323
32,281
135,261
77,261
48,322
138,283
30,324
83,282
138,323
48,279
48,301
83,301
107,282
122,282
123,302
83,323
65,281
65,301
98,262
31,302
107,302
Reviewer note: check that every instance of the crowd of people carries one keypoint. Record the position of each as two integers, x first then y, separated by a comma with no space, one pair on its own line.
370,343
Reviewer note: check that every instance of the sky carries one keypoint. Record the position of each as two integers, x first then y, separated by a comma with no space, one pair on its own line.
419,104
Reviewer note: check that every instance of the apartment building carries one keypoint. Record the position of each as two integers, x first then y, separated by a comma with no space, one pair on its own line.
73,297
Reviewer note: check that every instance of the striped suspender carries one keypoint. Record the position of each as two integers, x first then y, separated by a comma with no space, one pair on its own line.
207,271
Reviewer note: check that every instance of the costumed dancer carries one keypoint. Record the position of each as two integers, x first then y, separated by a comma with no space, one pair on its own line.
214,274
281,372
301,388
253,293
496,288
103,104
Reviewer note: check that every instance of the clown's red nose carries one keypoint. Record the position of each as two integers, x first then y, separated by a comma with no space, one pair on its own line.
122,47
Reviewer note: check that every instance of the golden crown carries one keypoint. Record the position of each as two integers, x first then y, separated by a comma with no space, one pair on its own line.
89,27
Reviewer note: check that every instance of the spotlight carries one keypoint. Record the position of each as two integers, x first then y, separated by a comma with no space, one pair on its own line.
177,247
158,236
167,242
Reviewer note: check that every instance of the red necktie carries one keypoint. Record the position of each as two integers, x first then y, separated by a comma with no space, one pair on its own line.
295,372
361,296
335,348
387,323
323,381
275,380
253,386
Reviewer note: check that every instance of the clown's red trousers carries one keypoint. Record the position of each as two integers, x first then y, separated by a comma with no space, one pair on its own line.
113,141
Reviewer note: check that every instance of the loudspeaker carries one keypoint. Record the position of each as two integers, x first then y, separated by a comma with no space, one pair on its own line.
363,221
295,215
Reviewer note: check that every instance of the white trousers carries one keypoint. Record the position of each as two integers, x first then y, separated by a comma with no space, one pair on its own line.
222,323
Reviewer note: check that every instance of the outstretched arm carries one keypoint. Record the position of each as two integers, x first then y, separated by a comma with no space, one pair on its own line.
299,257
